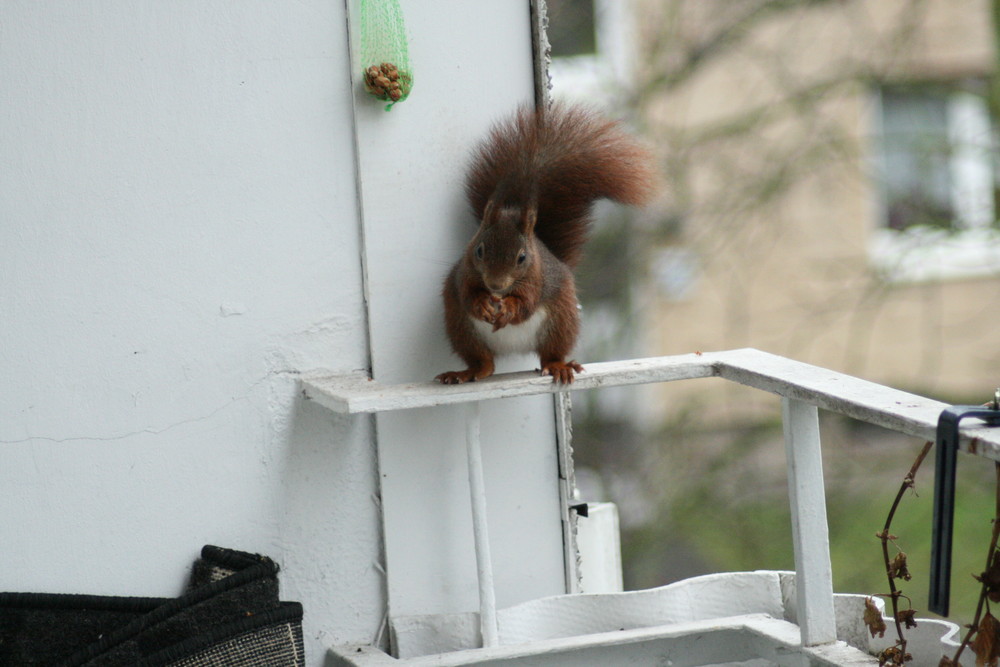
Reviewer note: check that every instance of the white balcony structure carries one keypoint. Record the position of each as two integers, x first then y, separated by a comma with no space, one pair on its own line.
735,618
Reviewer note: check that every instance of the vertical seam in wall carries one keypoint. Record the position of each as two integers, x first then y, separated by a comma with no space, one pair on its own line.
358,186
381,564
541,58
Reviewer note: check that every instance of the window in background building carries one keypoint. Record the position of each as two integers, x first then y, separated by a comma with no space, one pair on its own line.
591,43
572,31
939,177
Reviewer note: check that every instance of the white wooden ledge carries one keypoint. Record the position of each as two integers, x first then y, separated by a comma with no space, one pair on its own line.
860,399
357,393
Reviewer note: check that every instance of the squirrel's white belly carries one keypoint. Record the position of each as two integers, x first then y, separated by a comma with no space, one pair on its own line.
513,338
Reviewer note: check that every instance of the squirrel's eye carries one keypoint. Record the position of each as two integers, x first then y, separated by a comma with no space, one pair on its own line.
479,251
521,257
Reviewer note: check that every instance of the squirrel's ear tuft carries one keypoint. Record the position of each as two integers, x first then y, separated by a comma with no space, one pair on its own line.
489,212
528,220
529,216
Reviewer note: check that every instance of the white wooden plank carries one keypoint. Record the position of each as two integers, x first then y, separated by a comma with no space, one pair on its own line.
810,535
357,393
847,395
837,392
844,394
721,640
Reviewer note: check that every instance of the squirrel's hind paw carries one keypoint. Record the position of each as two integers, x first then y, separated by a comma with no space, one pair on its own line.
561,371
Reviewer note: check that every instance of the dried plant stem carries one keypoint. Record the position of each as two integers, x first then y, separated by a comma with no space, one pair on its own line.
885,536
989,561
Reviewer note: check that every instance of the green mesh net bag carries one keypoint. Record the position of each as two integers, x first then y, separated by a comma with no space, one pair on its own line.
384,56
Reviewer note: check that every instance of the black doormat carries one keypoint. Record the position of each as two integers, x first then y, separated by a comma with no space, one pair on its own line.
229,616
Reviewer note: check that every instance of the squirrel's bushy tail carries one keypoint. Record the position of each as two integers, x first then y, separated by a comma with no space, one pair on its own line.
561,159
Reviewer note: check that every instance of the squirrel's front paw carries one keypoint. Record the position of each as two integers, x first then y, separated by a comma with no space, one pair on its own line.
506,312
561,371
476,372
485,308
503,317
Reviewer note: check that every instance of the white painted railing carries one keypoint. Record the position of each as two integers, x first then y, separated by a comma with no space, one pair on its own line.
803,388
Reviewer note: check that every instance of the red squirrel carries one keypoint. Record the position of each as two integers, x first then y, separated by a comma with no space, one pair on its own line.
531,185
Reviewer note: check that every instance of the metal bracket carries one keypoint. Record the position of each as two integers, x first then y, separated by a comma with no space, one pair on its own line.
944,495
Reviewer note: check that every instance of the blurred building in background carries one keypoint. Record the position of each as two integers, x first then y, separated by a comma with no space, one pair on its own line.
831,179
833,185
831,195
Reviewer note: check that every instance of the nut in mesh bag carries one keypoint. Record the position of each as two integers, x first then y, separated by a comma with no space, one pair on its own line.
386,82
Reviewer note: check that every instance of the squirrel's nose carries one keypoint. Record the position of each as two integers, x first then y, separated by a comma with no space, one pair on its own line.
498,286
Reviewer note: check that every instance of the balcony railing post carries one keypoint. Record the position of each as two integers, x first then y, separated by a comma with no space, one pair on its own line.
810,536
480,533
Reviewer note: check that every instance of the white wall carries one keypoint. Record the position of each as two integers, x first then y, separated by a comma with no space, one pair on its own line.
178,234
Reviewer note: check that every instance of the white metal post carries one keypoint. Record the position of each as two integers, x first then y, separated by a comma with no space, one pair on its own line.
810,535
480,533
